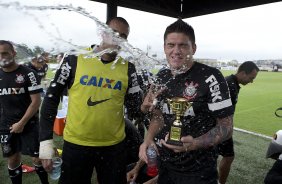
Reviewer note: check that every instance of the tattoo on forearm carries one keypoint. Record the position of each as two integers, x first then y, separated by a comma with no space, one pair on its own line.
221,132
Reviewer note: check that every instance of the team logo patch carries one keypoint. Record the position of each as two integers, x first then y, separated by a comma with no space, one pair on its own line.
20,78
190,91
6,148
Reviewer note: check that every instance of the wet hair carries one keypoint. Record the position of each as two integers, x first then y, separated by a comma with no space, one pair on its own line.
180,26
247,67
5,42
119,19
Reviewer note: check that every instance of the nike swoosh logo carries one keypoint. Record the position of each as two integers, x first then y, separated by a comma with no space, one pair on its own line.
90,103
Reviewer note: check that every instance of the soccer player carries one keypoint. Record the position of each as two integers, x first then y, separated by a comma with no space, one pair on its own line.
94,135
20,100
246,74
205,124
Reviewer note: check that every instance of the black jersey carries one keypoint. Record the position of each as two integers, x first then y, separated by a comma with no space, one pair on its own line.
40,72
15,90
234,88
206,88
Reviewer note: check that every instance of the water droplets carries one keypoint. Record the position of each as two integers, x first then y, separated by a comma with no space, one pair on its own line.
49,95
53,84
123,48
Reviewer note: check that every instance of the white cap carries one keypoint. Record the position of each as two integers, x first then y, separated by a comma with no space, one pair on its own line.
275,147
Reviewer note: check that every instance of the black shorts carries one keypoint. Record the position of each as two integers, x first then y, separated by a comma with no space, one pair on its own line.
26,142
79,162
205,176
226,148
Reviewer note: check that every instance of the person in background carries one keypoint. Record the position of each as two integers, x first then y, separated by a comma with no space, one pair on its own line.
246,74
60,57
144,78
19,126
94,135
206,123
274,151
39,65
46,56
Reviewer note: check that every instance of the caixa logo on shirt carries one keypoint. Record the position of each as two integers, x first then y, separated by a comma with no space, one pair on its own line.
11,91
100,82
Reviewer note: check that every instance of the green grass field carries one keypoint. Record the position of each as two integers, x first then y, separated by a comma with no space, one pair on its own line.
254,112
257,103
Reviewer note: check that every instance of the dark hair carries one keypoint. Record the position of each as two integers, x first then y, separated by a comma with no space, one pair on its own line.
120,19
5,42
180,26
247,67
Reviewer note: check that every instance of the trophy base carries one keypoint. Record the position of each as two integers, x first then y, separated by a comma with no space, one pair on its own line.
173,142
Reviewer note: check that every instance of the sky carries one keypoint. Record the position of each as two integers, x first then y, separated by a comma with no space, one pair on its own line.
244,34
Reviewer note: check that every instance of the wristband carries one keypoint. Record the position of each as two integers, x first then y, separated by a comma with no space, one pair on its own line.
46,149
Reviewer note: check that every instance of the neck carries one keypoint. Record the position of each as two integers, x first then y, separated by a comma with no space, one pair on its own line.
238,77
108,58
183,69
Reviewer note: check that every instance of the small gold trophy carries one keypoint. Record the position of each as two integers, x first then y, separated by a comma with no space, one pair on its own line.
178,106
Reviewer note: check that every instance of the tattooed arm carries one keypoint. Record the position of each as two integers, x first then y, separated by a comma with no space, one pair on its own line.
221,132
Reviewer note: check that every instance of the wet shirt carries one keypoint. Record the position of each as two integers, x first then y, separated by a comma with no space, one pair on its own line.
15,90
207,90
40,72
234,88
97,94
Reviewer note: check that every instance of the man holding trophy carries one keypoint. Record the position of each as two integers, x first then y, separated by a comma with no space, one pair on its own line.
191,116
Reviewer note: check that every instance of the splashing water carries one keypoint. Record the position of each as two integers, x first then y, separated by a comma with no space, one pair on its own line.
5,62
134,55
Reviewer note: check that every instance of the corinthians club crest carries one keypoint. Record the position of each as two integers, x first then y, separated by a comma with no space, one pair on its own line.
20,78
190,90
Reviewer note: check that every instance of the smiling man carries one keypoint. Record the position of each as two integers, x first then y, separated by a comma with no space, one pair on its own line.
205,124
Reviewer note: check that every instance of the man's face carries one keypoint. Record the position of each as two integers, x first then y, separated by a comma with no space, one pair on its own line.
179,50
7,56
120,28
38,63
109,42
249,78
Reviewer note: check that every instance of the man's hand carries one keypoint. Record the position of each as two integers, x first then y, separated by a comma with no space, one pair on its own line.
188,144
143,150
17,127
46,153
132,175
47,164
150,101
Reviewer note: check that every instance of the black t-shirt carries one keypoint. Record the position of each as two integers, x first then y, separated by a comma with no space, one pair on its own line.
15,90
40,72
234,88
206,88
